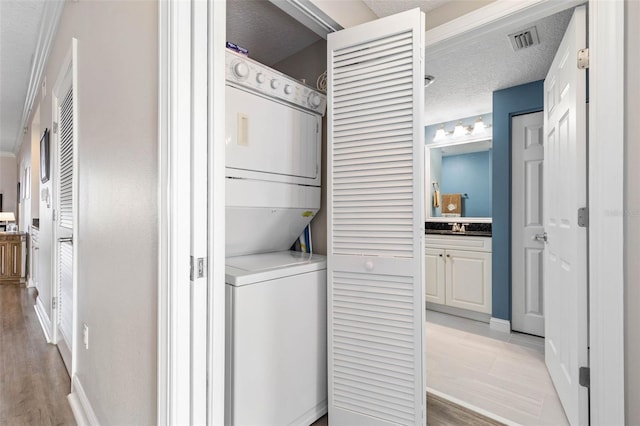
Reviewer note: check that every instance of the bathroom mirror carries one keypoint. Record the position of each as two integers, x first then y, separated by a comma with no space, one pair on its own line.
458,180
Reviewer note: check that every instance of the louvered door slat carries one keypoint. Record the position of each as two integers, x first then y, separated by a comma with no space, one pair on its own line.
66,161
375,219
382,46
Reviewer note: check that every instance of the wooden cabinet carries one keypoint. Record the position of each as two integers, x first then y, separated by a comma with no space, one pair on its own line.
458,272
11,257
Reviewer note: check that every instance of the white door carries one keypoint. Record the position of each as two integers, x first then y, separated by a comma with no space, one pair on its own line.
376,222
527,229
65,131
565,191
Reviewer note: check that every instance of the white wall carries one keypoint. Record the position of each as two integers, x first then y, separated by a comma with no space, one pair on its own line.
8,183
116,234
632,216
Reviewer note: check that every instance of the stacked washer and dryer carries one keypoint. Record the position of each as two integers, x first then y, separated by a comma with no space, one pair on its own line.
276,298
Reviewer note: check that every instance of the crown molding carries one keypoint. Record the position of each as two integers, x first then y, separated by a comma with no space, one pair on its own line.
48,26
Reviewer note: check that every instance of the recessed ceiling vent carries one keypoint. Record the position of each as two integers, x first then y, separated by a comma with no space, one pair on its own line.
523,39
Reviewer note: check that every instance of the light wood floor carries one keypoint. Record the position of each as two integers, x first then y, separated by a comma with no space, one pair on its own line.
503,374
33,380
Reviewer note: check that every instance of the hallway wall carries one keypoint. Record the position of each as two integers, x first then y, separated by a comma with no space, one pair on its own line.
116,235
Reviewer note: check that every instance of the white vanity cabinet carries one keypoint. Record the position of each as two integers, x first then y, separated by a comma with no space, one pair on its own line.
458,271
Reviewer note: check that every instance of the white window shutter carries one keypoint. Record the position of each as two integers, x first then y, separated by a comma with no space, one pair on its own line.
376,222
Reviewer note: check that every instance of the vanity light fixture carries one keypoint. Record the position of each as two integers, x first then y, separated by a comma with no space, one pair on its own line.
441,134
479,128
460,130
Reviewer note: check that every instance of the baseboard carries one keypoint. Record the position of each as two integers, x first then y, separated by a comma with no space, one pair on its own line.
464,313
43,318
312,414
80,406
497,324
471,407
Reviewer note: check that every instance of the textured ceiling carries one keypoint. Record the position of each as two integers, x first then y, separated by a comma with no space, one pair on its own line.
467,75
19,26
268,33
385,7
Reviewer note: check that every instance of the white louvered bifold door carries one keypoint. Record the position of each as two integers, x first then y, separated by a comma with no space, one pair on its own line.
376,222
65,129
65,216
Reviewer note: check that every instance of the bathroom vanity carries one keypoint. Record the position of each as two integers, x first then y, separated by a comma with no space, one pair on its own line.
458,270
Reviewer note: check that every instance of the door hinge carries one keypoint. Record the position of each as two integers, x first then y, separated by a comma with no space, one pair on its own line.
54,215
583,217
55,127
54,303
583,59
198,268
585,377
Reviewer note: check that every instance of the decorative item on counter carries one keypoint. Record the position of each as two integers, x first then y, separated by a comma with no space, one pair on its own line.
436,194
452,205
237,48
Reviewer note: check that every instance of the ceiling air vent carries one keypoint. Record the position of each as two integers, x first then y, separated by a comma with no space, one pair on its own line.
523,39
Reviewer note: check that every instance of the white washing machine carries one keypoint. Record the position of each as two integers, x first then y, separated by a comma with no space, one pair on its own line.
276,349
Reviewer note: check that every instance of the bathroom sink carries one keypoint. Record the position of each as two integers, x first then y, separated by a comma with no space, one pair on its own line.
466,233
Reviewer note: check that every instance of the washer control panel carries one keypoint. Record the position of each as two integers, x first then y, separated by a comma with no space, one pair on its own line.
245,72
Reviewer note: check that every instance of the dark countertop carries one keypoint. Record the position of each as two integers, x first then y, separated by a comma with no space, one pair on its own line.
476,229
450,232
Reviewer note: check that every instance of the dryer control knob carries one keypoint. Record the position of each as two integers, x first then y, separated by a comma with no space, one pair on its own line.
241,69
260,78
275,84
288,89
314,100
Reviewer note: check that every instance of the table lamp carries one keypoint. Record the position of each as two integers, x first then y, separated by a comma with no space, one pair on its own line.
7,217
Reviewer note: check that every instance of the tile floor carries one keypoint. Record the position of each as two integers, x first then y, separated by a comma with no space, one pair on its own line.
499,373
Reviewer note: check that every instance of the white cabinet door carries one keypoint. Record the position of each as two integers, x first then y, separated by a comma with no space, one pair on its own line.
434,275
468,280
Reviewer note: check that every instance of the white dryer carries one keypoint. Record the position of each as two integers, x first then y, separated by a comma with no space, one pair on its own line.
272,163
276,349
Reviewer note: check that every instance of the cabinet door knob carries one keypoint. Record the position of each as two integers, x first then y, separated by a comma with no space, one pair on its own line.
448,255
440,255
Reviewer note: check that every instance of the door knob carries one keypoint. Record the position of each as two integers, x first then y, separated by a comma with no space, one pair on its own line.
540,237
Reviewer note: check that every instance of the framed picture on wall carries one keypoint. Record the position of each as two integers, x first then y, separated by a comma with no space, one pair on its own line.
45,157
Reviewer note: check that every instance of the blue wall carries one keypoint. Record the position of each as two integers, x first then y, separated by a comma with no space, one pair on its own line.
507,103
470,174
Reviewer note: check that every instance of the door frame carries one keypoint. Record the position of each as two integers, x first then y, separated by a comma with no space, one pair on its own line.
188,367
606,178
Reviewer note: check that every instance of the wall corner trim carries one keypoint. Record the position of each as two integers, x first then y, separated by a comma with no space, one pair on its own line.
43,318
497,324
80,406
